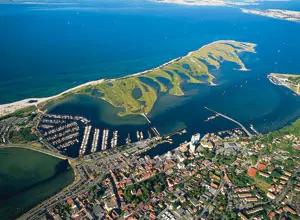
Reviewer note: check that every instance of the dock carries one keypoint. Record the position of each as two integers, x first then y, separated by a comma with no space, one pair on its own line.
95,140
254,130
230,119
180,131
85,139
156,132
104,139
147,118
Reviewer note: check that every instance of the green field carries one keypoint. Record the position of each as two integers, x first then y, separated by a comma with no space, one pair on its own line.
291,81
192,68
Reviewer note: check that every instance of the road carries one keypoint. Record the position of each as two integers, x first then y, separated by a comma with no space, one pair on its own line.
213,199
83,184
41,150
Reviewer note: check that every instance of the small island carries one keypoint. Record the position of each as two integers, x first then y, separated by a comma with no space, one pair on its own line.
276,13
290,81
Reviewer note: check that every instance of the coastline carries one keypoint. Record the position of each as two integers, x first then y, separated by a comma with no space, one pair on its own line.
9,108
212,3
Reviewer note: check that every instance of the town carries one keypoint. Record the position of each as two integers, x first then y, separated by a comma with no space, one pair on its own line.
223,175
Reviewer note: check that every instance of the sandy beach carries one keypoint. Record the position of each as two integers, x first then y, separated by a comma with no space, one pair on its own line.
6,109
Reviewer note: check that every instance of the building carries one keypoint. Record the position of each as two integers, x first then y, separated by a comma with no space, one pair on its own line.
207,144
242,216
271,195
195,138
261,167
289,209
263,174
252,172
251,199
192,148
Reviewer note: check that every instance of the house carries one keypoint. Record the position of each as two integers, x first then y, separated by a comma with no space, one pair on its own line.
261,167
254,210
244,195
251,199
271,215
287,208
242,216
252,172
263,174
271,195
194,202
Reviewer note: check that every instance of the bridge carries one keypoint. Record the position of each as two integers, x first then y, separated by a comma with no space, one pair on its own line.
230,119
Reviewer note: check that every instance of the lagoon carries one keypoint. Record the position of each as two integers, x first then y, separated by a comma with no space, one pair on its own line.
27,178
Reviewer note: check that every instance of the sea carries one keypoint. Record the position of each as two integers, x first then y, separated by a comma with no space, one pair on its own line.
50,47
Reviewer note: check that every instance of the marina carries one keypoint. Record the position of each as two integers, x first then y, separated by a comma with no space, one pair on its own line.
77,136
85,140
104,139
95,140
60,131
128,140
114,140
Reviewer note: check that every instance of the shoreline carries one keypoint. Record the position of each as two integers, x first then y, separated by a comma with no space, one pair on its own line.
9,108
208,3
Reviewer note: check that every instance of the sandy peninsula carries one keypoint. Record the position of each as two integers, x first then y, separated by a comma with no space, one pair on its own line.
276,13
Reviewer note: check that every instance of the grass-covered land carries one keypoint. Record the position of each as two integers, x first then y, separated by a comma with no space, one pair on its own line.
137,94
293,129
22,136
291,81
283,142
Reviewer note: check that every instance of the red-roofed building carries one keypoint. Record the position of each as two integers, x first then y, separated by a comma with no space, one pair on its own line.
271,215
252,172
261,167
152,215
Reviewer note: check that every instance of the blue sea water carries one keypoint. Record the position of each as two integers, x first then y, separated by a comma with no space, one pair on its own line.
46,49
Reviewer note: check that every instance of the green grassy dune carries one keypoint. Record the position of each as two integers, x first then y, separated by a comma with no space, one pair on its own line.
168,77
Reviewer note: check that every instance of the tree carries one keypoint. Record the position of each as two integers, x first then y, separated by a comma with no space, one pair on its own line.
253,159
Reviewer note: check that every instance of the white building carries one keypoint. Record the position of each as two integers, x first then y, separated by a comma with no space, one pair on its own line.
192,148
195,138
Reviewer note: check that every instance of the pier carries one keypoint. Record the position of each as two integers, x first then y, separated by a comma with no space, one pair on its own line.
254,130
95,140
85,139
156,132
104,139
180,131
230,119
146,117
